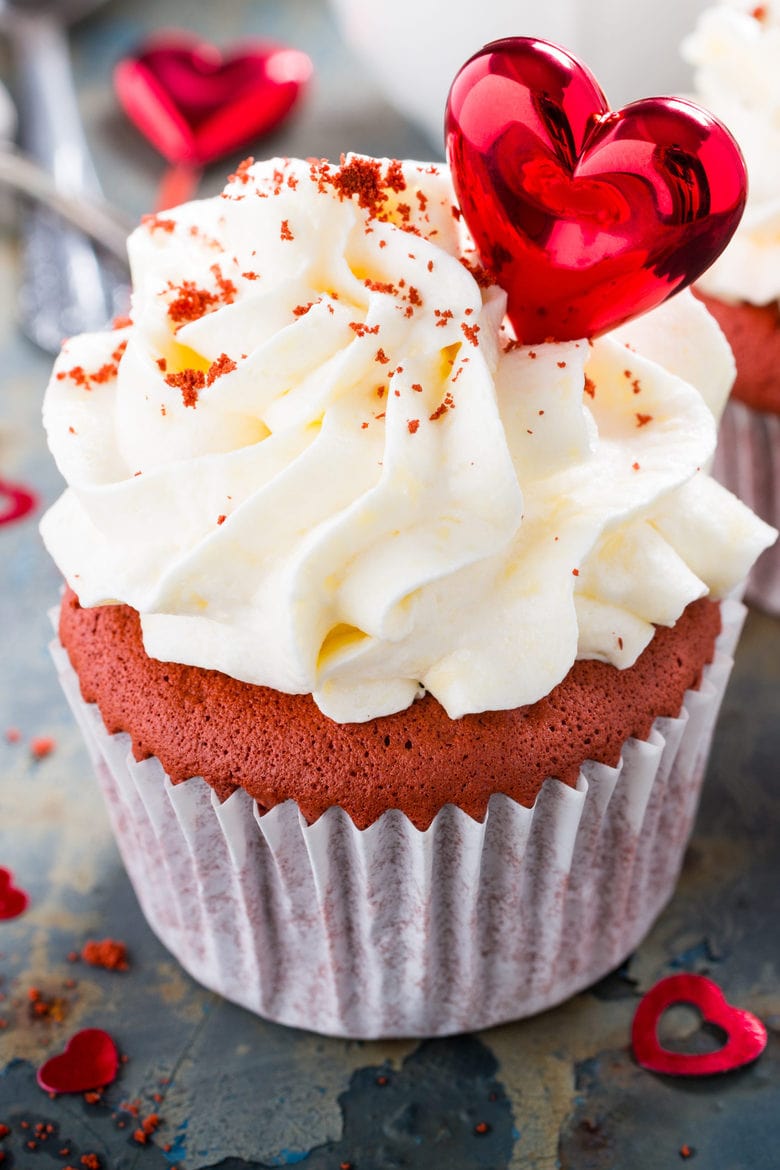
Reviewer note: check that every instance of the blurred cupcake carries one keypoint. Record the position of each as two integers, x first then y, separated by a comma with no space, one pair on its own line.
736,50
397,644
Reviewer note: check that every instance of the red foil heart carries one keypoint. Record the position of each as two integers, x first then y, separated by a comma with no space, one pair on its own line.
15,501
90,1061
13,900
746,1035
586,217
195,104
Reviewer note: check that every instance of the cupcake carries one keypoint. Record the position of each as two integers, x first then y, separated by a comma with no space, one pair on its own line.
735,50
397,644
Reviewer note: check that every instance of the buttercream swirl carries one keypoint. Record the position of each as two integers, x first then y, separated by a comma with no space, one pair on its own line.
316,461
735,49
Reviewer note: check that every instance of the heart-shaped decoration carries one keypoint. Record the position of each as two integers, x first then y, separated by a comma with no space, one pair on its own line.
90,1061
15,501
13,900
746,1035
195,104
585,216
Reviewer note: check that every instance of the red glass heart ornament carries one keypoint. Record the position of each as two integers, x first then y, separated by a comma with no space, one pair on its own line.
90,1061
746,1035
15,501
195,103
13,900
585,216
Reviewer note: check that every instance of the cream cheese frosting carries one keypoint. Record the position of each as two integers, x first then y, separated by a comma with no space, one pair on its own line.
735,49
316,460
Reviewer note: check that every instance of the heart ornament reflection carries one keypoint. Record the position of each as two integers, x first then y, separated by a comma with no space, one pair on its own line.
585,216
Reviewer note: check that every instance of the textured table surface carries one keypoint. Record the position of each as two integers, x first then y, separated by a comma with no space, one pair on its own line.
231,1090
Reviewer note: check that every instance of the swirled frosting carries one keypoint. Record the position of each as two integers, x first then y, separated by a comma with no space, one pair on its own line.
316,461
735,49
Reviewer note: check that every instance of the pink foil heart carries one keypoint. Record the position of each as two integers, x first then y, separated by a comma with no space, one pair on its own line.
15,501
90,1061
195,104
13,900
746,1035
585,216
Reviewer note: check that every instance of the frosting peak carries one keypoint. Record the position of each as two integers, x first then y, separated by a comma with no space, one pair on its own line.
316,460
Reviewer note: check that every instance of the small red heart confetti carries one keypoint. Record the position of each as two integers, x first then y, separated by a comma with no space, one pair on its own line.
195,104
13,900
90,1061
746,1035
583,215
15,501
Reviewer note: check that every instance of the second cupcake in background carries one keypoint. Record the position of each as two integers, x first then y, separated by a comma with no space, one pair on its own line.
735,49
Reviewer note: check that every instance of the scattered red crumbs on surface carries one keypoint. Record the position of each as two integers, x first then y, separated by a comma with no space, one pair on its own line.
191,303
301,310
443,315
251,275
626,373
42,746
147,1128
162,363
381,286
561,365
221,519
284,231
480,274
413,425
13,735
121,322
481,1128
158,223
590,386
362,329
575,572
381,357
687,1151
446,404
91,1161
93,1097
417,387
759,12
241,173
364,426
71,430
189,382
109,953
470,332
643,419
636,386
42,1008
635,466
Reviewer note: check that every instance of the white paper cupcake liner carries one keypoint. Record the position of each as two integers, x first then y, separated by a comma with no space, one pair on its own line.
391,931
747,462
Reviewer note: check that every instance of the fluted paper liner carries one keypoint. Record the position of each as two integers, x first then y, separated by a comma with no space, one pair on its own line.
747,462
392,931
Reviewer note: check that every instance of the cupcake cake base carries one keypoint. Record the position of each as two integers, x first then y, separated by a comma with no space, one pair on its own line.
396,931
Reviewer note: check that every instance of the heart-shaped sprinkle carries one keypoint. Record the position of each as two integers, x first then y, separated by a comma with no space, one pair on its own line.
15,501
746,1035
13,900
195,104
584,216
90,1061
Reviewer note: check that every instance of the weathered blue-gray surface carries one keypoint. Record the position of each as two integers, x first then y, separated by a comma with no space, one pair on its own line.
559,1090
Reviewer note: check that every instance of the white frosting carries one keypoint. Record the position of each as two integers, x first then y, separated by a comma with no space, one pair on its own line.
735,49
452,513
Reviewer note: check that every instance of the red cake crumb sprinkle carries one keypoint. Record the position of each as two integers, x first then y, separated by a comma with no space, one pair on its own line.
157,223
147,1127
470,332
42,746
643,419
109,953
91,1161
189,381
284,231
413,424
561,365
443,315
362,329
191,303
447,403
241,173
636,386
381,357
223,365
121,322
759,12
635,466
93,1097
590,387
